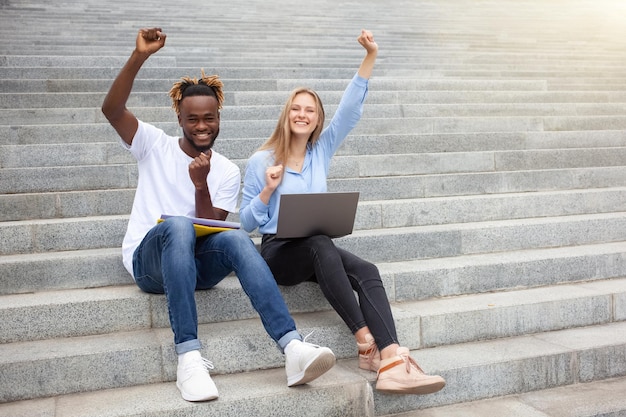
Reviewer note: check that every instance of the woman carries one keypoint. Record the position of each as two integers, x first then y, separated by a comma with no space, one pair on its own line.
296,159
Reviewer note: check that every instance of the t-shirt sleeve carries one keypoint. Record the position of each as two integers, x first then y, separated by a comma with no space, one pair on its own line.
145,138
227,193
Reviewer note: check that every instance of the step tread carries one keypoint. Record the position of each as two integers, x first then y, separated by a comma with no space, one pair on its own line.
464,318
576,400
556,360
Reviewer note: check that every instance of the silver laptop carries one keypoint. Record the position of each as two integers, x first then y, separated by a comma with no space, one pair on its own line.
302,215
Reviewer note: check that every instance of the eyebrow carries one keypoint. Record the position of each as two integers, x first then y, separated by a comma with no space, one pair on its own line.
300,105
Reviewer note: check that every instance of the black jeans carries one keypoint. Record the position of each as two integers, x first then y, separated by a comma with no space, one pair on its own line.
339,273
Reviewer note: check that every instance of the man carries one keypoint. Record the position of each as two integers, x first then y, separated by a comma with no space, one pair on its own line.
185,177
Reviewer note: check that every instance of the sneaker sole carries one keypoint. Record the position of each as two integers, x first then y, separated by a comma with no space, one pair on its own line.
194,398
420,390
314,369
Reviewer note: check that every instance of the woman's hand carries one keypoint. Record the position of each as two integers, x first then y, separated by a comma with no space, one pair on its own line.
366,39
273,177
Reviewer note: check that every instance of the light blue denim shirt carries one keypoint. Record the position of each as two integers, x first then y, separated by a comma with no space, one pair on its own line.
253,212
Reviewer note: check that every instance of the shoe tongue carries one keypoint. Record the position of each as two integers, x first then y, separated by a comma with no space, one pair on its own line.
191,356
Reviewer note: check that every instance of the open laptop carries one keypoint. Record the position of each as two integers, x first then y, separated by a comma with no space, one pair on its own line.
302,215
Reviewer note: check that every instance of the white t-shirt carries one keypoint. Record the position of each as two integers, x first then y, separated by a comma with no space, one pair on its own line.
164,185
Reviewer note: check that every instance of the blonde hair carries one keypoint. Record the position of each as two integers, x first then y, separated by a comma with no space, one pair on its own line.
280,139
181,89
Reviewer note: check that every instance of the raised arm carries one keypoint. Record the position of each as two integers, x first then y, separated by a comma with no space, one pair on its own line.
114,108
366,39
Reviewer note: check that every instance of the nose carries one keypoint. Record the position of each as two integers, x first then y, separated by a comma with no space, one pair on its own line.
202,124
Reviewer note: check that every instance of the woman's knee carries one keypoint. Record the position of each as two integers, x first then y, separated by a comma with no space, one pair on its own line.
370,270
322,246
320,240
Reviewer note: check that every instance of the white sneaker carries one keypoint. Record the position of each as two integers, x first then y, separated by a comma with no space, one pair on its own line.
193,379
304,362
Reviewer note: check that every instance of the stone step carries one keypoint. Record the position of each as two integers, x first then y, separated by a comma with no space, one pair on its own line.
174,72
333,49
71,313
106,154
350,58
62,179
384,143
68,204
515,365
434,70
340,393
375,144
579,399
422,210
411,279
432,152
238,129
249,44
333,54
374,243
257,85
50,113
590,399
441,185
74,269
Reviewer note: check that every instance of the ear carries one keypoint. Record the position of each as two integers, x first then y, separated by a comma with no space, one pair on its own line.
180,121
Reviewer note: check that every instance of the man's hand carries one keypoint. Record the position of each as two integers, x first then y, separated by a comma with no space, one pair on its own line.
149,40
199,169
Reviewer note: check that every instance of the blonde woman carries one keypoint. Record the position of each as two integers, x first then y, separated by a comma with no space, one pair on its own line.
296,159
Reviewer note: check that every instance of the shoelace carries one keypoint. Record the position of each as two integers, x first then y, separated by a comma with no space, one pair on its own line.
409,361
203,364
305,337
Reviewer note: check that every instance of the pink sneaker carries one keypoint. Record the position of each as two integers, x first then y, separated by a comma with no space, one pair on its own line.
369,355
402,375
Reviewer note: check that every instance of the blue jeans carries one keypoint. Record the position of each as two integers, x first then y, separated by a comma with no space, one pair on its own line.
171,261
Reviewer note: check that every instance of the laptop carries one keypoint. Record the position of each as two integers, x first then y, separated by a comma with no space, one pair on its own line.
302,215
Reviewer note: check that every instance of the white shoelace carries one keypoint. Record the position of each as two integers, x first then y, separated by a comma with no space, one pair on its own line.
305,337
203,364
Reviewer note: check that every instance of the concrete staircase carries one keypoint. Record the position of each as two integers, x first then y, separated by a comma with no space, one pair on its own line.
491,162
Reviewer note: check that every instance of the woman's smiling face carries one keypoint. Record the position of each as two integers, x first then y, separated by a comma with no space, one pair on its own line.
303,115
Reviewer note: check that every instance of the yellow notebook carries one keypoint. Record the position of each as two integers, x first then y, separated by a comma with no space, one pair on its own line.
205,227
